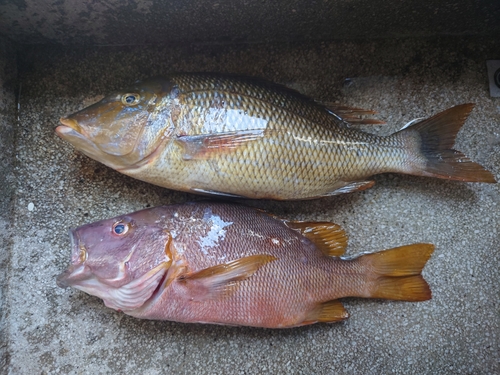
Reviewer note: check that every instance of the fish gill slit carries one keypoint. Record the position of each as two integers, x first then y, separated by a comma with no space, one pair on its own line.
157,290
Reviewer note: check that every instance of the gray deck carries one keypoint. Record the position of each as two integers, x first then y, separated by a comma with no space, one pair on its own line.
49,330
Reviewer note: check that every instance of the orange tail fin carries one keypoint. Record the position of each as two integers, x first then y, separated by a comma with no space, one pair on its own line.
436,139
397,271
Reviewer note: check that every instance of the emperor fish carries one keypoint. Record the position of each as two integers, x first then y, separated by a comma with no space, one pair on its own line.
231,136
229,264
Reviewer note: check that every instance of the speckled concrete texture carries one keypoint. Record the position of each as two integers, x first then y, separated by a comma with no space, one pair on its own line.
52,330
138,22
8,75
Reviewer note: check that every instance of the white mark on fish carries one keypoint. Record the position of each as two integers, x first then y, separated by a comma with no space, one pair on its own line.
255,234
216,232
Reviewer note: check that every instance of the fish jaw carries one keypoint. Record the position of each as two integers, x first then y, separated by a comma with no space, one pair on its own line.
70,123
71,135
121,292
127,297
76,270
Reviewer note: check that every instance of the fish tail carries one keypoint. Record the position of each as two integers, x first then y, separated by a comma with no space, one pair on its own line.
434,155
395,273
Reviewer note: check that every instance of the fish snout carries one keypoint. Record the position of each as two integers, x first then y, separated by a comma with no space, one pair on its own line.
77,266
62,280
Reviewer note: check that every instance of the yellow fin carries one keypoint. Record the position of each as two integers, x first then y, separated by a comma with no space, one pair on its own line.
330,238
327,312
397,272
401,261
220,279
402,288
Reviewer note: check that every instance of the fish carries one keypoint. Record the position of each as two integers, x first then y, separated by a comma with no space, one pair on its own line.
222,263
240,137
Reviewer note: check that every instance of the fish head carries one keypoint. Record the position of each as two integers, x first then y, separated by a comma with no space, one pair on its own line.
125,127
121,260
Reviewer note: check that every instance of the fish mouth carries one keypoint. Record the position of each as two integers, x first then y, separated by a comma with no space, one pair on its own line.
76,269
68,123
72,132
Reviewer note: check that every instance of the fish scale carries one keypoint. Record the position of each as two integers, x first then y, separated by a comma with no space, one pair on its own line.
261,99
279,146
226,135
315,275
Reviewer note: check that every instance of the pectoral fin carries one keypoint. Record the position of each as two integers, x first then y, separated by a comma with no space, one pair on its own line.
206,145
330,238
220,280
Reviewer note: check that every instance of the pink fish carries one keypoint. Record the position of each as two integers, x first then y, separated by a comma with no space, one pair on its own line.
229,264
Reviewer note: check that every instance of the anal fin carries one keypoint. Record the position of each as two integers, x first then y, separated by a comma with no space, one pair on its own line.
327,312
219,280
215,192
350,187
330,238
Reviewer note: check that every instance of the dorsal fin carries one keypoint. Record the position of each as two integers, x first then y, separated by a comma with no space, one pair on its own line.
330,238
352,115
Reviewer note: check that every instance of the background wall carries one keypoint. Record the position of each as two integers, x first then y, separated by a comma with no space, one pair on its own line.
129,22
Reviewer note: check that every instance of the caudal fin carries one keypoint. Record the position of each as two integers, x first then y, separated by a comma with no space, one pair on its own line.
396,273
436,138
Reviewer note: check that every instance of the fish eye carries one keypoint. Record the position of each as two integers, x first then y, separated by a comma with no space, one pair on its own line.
120,228
131,99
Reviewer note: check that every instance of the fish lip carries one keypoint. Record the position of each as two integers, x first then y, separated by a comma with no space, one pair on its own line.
64,280
63,131
70,123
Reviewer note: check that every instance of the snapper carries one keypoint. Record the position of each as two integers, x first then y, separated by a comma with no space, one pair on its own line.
229,264
239,137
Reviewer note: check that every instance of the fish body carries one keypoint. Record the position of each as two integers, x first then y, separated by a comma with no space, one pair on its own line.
231,136
234,265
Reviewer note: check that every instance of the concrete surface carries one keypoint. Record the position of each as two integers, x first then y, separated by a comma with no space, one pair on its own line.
138,22
51,330
8,76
